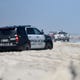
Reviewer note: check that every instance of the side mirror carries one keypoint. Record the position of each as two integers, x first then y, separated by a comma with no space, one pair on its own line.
42,32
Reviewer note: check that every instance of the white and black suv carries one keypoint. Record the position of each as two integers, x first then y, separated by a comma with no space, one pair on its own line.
38,39
23,37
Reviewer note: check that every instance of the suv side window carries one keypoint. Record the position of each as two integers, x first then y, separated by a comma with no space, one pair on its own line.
30,31
37,31
33,31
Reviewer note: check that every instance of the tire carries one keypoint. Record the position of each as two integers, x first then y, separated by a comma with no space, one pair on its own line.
63,40
55,40
49,45
27,47
67,40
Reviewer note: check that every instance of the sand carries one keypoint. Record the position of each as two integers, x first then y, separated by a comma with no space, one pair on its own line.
60,63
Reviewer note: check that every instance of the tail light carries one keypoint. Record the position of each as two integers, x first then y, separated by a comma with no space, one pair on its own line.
17,38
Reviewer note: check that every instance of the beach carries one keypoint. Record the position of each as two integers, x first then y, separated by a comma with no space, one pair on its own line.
60,63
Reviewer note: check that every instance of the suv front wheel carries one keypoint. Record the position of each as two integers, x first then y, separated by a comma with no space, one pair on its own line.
49,45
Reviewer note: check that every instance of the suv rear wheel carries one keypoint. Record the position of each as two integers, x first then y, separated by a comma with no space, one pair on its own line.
28,47
25,47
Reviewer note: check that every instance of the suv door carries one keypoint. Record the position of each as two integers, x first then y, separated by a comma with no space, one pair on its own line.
36,38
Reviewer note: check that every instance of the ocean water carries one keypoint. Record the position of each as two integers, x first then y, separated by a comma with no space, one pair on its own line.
75,40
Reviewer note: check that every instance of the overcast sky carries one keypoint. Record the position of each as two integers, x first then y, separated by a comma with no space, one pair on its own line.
50,15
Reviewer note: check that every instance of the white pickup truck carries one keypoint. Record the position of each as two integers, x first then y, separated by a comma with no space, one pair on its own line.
62,36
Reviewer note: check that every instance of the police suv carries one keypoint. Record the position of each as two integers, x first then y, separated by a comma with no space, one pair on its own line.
23,37
38,39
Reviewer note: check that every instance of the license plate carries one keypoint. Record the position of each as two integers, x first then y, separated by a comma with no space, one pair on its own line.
4,40
6,44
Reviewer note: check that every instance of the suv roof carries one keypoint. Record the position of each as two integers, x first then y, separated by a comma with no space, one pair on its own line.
15,26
